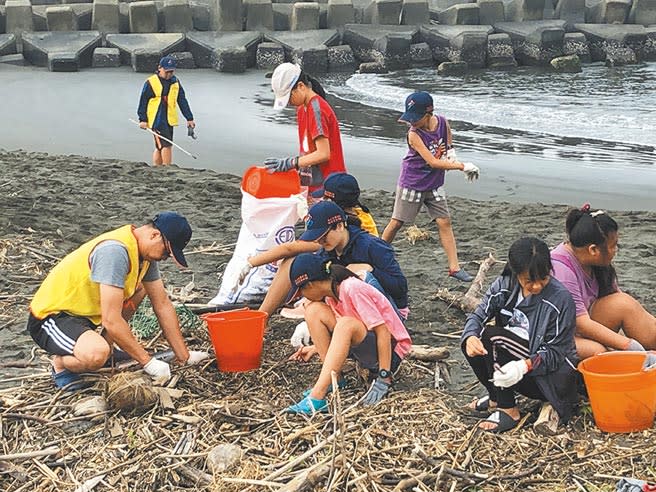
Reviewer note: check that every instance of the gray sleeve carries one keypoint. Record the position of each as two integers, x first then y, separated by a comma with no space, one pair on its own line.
110,264
153,273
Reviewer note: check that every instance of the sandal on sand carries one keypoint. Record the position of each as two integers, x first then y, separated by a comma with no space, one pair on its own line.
482,405
503,421
67,380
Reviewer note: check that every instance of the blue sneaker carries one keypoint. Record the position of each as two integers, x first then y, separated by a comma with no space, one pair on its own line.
68,380
308,406
341,384
461,275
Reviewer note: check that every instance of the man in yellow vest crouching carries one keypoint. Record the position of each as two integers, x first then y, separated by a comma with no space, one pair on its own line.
158,108
82,307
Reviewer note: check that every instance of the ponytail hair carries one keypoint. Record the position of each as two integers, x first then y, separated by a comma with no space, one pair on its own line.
312,83
584,228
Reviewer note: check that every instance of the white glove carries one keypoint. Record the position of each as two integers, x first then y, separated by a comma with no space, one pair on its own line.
510,374
158,370
301,336
471,171
451,155
196,356
650,362
243,272
635,346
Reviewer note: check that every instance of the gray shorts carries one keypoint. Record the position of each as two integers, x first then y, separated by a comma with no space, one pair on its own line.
408,203
366,353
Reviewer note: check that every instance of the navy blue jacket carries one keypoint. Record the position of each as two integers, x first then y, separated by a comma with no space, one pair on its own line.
362,247
160,120
552,321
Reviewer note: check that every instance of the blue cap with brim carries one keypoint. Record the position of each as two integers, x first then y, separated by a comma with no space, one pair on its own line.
342,188
305,268
320,219
168,63
176,231
417,105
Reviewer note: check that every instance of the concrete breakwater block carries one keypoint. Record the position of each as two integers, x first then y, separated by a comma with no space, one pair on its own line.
200,16
643,12
525,10
143,17
313,60
269,55
305,16
340,13
61,18
7,44
566,64
452,68
461,14
382,44
500,52
205,45
18,16
61,51
177,16
106,57
259,15
421,55
184,59
15,59
143,51
231,60
458,43
226,15
386,12
535,42
282,14
315,42
608,12
491,11
105,16
3,20
372,67
575,43
341,58
414,12
622,44
572,11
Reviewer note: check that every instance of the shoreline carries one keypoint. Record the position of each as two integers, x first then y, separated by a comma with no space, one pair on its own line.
227,108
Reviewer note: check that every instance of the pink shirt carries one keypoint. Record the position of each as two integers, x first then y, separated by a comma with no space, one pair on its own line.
567,269
360,300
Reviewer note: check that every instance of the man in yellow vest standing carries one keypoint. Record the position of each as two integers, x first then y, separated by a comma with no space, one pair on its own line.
83,306
158,108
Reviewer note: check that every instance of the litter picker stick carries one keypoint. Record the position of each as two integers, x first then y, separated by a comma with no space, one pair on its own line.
165,139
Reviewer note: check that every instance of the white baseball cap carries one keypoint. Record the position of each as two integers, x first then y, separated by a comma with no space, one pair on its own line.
283,79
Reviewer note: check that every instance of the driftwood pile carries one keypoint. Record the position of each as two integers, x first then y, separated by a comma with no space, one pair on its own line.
418,438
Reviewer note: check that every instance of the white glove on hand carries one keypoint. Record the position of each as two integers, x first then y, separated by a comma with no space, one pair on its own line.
471,171
301,336
196,356
451,155
510,374
243,272
650,362
158,370
635,346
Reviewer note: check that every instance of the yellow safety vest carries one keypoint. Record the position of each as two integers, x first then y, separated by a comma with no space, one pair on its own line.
154,102
68,287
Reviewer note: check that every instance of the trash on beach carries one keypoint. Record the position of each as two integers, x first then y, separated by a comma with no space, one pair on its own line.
414,234
130,392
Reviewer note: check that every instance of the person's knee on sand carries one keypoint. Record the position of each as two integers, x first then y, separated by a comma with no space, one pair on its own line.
622,311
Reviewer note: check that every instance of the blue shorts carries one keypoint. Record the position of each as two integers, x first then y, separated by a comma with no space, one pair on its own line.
366,353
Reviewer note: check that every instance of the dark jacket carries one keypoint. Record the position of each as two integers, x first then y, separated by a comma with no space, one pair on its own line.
552,321
161,120
362,247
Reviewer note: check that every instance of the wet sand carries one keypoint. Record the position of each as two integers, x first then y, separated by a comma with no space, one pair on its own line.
63,200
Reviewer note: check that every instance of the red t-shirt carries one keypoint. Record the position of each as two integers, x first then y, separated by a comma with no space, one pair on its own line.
318,119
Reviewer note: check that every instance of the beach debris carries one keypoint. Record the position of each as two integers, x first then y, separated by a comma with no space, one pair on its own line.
89,406
414,234
548,420
223,457
130,392
90,484
145,325
468,301
427,353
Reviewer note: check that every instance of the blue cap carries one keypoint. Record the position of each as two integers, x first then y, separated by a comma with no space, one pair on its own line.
168,63
306,268
320,219
176,231
417,105
342,188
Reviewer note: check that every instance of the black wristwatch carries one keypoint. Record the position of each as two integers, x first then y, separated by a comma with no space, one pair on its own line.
384,374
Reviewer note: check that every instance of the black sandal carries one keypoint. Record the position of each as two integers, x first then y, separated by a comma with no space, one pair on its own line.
503,421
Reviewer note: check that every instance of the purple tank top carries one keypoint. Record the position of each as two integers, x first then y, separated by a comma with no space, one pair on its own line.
415,173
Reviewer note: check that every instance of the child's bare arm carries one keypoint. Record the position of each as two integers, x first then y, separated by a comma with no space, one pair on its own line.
416,143
284,250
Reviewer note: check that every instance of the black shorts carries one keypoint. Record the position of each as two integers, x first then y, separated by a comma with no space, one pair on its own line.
166,133
366,353
57,334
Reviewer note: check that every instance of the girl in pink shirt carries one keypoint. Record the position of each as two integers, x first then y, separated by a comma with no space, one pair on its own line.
346,318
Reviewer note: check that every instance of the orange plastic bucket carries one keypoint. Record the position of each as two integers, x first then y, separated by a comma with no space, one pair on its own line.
237,338
622,396
261,184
